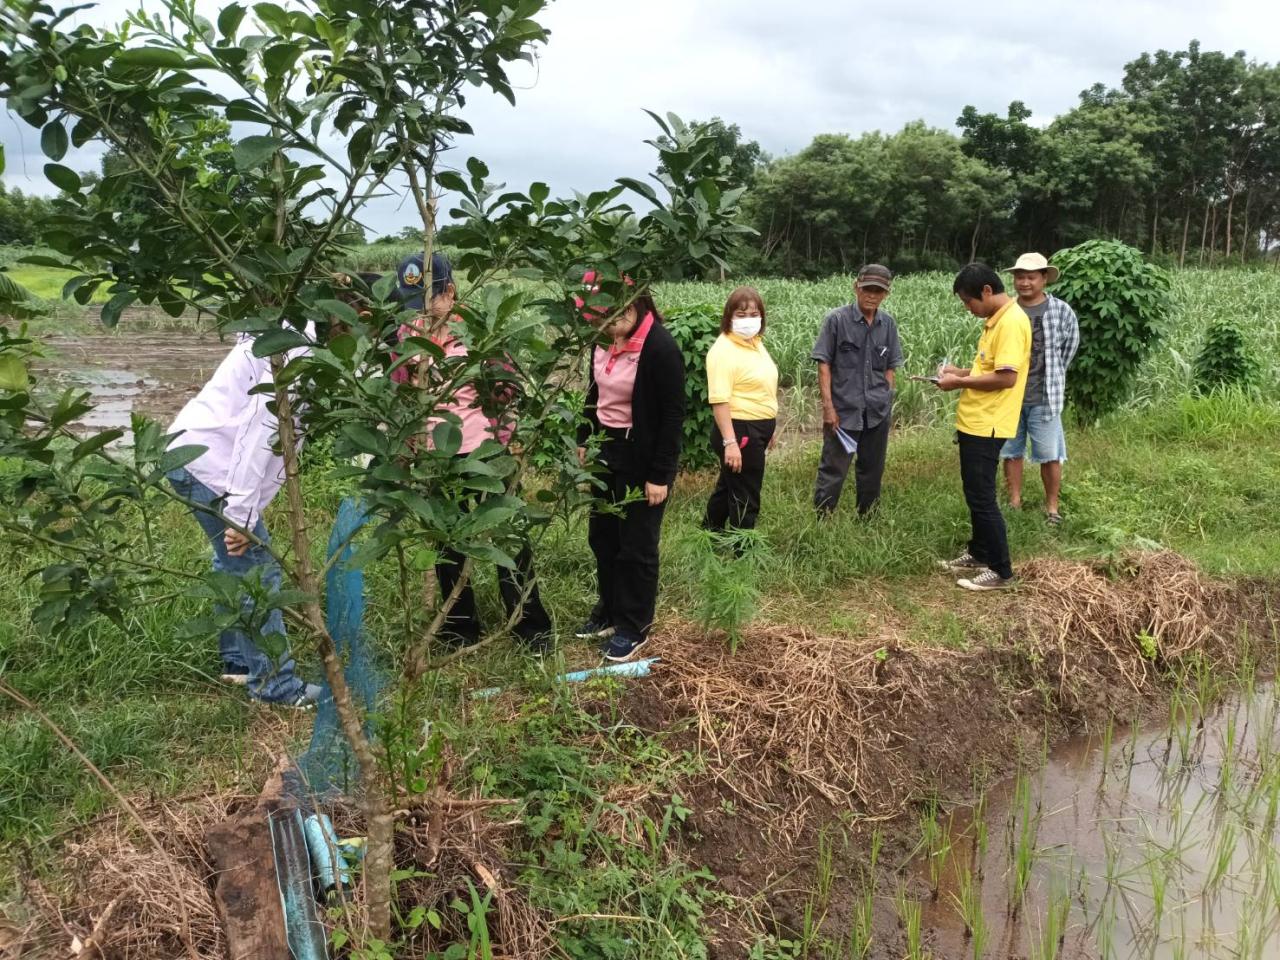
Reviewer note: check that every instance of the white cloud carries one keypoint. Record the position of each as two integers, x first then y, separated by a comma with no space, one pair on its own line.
785,72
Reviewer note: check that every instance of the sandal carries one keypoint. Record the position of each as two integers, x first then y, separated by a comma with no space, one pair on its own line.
1053,519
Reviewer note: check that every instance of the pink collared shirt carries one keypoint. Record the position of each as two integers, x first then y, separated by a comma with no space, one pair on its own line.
476,426
615,371
237,431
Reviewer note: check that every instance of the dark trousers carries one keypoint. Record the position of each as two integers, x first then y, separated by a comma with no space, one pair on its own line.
462,625
735,502
873,446
979,465
625,545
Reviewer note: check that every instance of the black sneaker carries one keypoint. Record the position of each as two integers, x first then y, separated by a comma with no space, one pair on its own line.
986,580
621,647
966,561
594,629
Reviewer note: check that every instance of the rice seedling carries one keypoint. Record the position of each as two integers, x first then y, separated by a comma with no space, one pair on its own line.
1052,933
910,913
1023,830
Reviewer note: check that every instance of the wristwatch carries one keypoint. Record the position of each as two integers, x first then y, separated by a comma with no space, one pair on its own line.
727,443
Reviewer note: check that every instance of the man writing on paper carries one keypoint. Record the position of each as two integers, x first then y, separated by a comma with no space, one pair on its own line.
857,352
991,394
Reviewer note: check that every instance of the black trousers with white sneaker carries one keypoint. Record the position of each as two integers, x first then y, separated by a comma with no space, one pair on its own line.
979,466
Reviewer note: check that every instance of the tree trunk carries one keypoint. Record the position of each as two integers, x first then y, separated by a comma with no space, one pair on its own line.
1186,227
1204,230
1213,233
1231,202
378,855
1244,231
973,239
1155,226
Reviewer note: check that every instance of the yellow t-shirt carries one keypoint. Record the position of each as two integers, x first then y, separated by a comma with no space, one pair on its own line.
742,374
1005,344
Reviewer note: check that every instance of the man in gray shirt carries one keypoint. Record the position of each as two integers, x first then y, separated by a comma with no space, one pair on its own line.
857,353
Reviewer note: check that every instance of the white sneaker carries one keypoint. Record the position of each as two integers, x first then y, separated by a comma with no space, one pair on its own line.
986,580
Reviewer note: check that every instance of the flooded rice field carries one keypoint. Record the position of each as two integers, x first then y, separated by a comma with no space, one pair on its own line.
152,373
1155,842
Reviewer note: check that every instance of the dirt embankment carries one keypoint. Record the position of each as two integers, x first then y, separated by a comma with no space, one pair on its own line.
801,733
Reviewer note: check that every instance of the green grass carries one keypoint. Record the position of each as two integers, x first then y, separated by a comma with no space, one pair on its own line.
1200,476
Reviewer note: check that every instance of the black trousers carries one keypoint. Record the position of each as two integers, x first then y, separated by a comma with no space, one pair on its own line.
462,625
873,447
625,545
979,465
735,502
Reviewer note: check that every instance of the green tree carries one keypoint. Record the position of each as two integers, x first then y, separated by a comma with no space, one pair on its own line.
262,250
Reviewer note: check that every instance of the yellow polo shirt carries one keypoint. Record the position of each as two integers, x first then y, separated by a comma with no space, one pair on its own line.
1005,344
742,374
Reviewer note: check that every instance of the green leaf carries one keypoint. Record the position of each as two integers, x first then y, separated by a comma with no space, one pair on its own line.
538,193
278,341
177,457
447,438
112,309
155,57
13,373
252,152
53,140
229,21
64,178
359,145
94,444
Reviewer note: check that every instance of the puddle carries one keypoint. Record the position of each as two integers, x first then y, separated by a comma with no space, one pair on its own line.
1159,844
125,373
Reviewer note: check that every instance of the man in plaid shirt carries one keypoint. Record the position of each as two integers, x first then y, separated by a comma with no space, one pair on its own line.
1055,335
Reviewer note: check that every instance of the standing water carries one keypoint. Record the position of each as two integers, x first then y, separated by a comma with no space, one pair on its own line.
1154,843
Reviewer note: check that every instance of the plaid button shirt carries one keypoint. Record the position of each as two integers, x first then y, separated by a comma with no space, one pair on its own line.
1061,339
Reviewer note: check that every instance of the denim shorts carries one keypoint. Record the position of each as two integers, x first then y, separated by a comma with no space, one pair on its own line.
1042,428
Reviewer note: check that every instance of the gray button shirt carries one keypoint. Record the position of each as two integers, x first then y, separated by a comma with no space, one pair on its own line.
860,356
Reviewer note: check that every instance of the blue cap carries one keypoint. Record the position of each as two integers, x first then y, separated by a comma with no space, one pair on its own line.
409,279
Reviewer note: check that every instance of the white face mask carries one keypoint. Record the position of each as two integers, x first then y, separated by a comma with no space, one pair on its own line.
746,327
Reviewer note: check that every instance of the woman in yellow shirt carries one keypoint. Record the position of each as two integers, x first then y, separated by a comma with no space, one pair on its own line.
742,386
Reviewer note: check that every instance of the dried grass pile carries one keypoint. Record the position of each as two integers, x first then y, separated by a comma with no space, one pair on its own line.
127,901
453,849
1123,619
870,723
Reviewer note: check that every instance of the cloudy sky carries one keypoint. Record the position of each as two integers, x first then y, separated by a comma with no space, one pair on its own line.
783,71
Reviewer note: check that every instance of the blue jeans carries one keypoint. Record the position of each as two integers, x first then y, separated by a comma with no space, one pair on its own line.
269,681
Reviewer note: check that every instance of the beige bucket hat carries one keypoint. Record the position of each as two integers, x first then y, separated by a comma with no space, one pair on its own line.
1036,261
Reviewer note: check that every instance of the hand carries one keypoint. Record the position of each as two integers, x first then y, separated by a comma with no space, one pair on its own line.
829,419
655,493
950,381
237,543
733,457
582,456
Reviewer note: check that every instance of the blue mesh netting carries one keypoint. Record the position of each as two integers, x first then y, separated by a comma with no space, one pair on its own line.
328,765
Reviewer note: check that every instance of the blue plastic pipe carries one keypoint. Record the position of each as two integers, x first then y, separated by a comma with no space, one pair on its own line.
636,668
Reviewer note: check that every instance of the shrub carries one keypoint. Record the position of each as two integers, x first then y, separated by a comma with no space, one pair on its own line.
1121,301
1225,360
695,329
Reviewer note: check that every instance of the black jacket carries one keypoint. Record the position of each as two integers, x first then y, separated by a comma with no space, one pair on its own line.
657,407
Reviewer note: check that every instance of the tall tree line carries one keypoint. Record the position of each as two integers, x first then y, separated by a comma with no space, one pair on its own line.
1182,160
